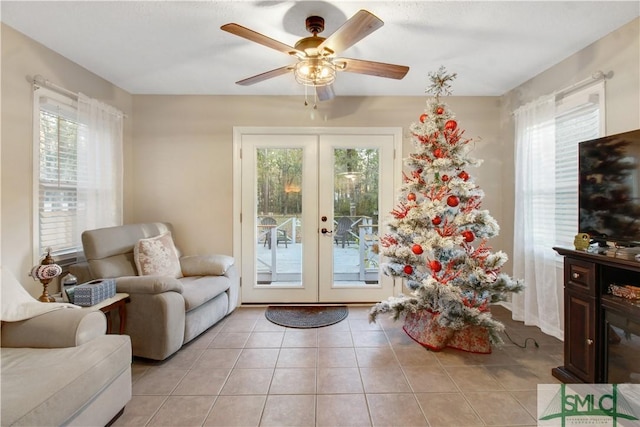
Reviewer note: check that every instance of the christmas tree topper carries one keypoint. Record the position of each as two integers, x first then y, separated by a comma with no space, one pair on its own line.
440,82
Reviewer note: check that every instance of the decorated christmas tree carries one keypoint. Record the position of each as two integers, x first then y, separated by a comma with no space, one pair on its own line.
437,239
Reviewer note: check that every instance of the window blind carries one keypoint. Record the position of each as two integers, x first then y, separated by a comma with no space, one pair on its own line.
578,119
580,123
57,187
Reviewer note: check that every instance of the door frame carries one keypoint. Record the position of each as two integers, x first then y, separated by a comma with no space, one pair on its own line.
239,131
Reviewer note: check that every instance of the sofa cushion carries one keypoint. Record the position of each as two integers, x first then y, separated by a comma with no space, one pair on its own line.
112,267
49,386
109,241
157,256
198,290
109,251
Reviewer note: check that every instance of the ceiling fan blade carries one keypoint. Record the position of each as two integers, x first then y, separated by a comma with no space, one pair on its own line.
256,37
325,93
380,69
355,29
264,76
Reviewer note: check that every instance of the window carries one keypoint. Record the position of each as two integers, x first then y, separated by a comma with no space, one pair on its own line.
579,117
548,131
56,174
77,171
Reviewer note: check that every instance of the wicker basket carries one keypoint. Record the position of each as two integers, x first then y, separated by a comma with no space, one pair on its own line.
626,291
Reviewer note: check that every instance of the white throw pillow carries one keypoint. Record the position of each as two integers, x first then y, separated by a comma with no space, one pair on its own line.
157,256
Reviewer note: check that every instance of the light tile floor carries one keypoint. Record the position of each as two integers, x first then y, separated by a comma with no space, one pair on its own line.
246,371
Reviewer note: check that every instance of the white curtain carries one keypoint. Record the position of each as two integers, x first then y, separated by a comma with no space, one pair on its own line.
100,164
540,303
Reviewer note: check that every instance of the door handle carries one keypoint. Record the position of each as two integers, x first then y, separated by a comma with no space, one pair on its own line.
325,231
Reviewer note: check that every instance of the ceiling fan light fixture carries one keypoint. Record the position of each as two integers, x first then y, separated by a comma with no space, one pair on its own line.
318,62
315,72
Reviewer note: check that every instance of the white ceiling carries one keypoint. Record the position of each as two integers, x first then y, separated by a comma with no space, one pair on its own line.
177,47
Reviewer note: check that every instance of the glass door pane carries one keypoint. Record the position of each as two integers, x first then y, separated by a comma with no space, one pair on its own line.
279,218
355,216
356,183
279,221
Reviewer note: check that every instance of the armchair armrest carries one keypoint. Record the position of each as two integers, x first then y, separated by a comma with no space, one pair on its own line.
205,265
55,329
148,284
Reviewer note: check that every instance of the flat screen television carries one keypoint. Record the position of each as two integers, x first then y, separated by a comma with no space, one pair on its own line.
609,188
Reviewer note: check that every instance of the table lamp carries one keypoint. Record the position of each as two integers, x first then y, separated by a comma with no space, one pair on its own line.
45,272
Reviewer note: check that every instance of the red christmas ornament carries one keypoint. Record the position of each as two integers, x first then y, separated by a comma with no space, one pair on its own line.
435,265
453,201
411,197
463,175
468,236
408,269
445,178
451,125
440,110
436,221
417,249
423,117
438,153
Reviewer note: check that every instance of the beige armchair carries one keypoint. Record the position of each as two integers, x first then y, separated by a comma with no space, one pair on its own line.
168,309
58,366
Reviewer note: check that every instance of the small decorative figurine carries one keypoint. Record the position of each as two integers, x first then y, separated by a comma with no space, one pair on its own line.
581,241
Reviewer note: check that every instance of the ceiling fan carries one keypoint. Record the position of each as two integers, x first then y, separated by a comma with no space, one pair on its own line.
317,61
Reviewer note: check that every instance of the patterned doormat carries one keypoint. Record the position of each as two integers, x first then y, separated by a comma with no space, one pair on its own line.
301,316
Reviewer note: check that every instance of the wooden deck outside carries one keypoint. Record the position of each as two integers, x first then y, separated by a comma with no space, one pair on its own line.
357,262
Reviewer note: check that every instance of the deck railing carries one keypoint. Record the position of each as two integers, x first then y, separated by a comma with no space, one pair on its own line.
363,231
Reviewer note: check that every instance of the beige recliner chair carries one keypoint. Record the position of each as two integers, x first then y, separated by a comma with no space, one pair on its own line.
58,367
169,307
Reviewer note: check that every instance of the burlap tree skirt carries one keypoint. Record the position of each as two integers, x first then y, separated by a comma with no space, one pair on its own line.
423,328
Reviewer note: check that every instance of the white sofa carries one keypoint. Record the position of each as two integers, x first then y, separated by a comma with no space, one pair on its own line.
165,311
59,368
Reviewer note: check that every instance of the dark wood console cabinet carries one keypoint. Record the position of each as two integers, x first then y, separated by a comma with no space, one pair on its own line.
587,277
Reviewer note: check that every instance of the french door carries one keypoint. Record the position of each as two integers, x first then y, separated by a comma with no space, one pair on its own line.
312,204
